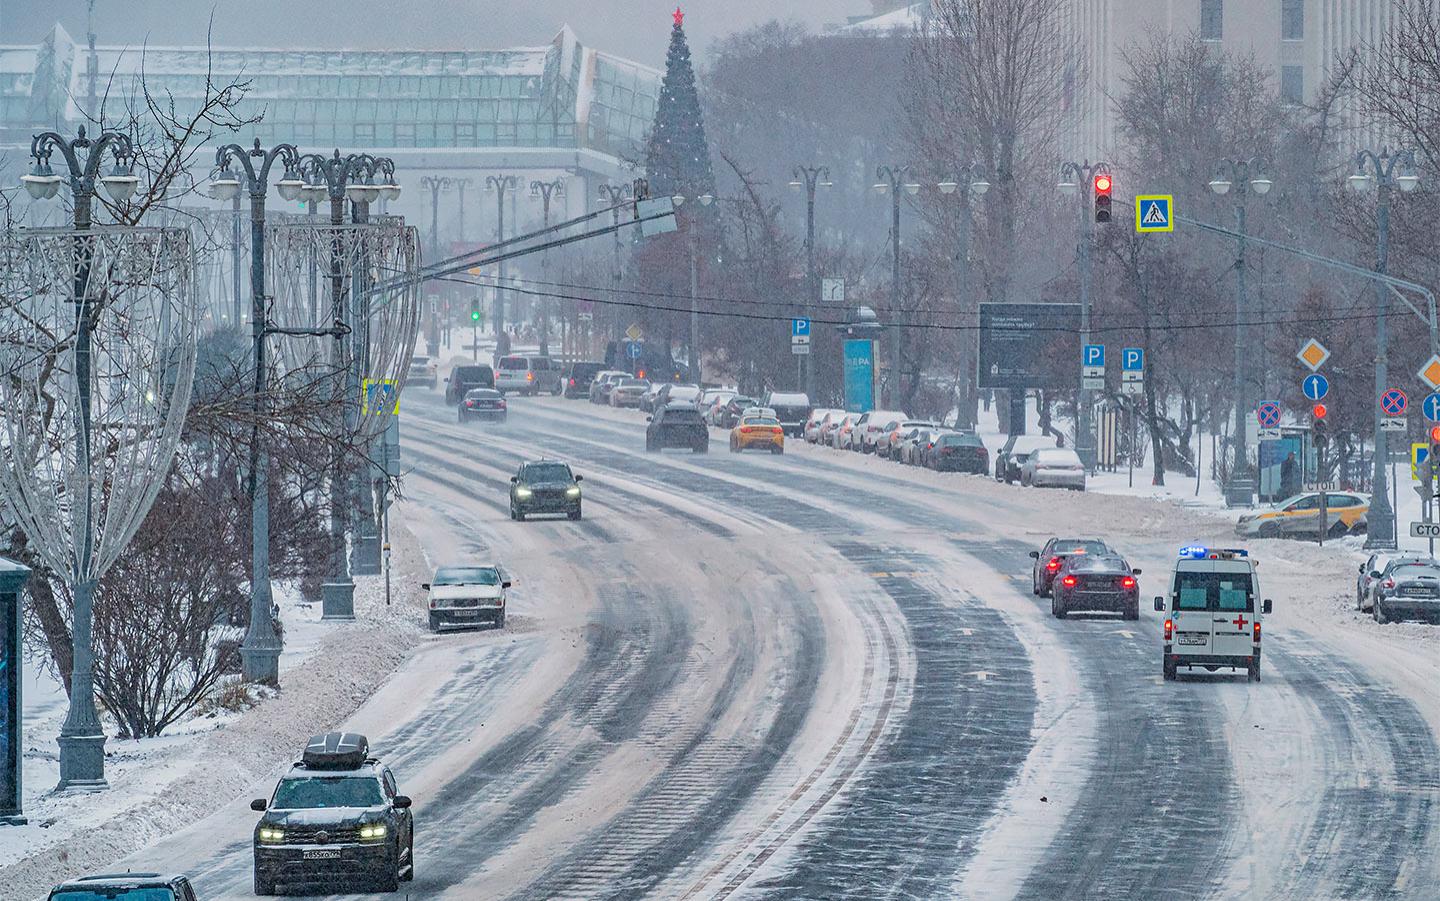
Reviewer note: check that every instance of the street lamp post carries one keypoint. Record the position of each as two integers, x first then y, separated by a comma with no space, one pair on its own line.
260,650
809,178
692,243
1379,171
973,175
615,197
499,185
892,179
436,184
1079,179
545,190
1243,176
82,741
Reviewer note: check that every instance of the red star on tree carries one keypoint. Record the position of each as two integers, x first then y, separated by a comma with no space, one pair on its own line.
679,17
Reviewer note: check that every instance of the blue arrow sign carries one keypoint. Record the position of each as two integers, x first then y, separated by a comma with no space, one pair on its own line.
632,350
1093,355
1132,359
1431,406
1315,386
799,328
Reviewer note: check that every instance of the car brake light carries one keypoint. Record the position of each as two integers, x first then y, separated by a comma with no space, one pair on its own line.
1257,633
640,374
529,376
1069,581
1127,582
1169,629
572,383
502,404
1054,564
1388,583
469,403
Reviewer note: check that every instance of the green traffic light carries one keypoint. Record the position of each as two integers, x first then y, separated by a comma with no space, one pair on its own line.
474,315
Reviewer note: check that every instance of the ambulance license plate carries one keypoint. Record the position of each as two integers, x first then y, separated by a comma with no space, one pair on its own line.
1196,638
322,854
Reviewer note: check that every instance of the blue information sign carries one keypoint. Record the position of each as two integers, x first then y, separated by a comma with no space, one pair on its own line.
1093,355
859,375
799,328
1315,386
1431,406
1132,359
633,349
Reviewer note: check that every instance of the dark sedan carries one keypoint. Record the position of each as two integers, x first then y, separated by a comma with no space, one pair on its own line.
579,377
1409,591
959,452
483,403
1051,557
677,426
1096,582
729,415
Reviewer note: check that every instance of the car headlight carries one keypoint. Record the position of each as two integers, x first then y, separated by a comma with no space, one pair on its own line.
573,491
271,834
372,832
523,492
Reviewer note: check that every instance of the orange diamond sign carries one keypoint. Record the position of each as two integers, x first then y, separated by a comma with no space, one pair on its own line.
1430,373
1313,354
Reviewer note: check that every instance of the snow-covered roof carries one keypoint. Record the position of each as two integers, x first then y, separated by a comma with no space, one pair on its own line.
905,18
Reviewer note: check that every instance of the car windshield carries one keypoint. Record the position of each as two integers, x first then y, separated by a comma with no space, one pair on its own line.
951,440
1057,457
514,363
547,472
1415,571
1088,563
419,361
633,383
470,373
681,415
309,792
759,420
467,575
789,400
114,894
1080,546
478,393
1228,592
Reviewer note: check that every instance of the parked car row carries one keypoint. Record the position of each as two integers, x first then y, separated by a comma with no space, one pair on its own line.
896,436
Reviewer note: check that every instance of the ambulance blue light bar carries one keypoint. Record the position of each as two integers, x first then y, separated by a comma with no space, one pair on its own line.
1199,552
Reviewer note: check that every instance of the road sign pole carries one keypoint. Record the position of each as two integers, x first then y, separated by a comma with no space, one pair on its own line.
1380,529
1084,439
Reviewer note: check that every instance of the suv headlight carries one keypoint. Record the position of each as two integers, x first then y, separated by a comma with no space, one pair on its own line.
523,492
573,491
271,834
372,831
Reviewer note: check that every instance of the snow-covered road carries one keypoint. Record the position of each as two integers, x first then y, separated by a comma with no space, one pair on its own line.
820,676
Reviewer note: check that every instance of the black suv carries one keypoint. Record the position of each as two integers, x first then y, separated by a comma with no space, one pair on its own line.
677,426
464,379
544,486
125,887
336,818
579,376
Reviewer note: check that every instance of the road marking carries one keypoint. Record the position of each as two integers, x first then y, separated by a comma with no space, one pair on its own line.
1126,632
981,674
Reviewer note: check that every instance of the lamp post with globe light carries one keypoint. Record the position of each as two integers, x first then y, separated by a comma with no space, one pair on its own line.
1241,176
82,740
500,185
1382,172
692,243
892,179
260,650
809,178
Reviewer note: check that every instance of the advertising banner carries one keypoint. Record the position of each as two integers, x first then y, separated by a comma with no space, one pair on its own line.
859,375
12,580
1029,345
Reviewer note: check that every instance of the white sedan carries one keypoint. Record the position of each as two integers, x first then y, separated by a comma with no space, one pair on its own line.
1055,467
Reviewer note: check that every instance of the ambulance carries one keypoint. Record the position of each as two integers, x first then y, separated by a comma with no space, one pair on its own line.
1213,612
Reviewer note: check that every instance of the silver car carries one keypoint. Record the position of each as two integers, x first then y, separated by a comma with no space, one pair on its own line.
1053,467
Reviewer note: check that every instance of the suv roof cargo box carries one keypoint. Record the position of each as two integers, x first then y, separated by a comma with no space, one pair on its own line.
336,751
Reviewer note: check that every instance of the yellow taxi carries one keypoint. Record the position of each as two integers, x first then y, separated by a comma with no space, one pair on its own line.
760,432
1345,514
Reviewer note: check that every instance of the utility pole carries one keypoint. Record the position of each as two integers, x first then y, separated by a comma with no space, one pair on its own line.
1379,171
544,190
436,184
499,185
892,179
614,197
1243,176
972,175
692,242
810,177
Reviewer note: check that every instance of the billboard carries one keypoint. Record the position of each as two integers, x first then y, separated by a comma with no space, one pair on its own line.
1029,345
859,375
12,579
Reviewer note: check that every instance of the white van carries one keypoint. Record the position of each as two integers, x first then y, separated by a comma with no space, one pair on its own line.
1212,612
528,375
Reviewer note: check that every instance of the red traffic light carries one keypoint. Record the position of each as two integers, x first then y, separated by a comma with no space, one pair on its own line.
1435,434
1319,411
1102,184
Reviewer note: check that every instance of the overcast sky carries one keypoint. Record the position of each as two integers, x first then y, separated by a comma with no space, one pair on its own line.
639,29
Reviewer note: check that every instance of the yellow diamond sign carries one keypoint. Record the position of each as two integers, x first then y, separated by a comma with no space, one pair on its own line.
1430,373
1313,354
633,332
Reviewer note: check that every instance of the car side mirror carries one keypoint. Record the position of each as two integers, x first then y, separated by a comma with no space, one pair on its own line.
579,478
1134,572
425,585
1267,606
258,805
1159,605
1374,573
505,584
447,379
1034,555
649,418
400,802
514,480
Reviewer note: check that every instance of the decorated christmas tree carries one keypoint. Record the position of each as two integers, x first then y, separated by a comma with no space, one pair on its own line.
677,159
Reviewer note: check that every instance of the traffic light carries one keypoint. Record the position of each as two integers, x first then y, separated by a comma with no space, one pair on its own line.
1319,430
475,310
1434,448
1102,197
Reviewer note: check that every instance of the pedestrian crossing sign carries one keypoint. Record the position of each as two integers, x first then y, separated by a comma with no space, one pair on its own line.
1154,213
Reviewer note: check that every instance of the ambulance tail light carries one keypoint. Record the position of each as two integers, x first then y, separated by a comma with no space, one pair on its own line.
1257,633
1169,629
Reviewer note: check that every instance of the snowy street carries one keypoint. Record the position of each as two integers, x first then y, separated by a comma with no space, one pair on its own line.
822,675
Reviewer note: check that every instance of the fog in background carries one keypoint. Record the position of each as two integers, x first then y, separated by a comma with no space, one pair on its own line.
638,29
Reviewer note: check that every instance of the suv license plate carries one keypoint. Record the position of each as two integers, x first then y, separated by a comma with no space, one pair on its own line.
324,854
1193,639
